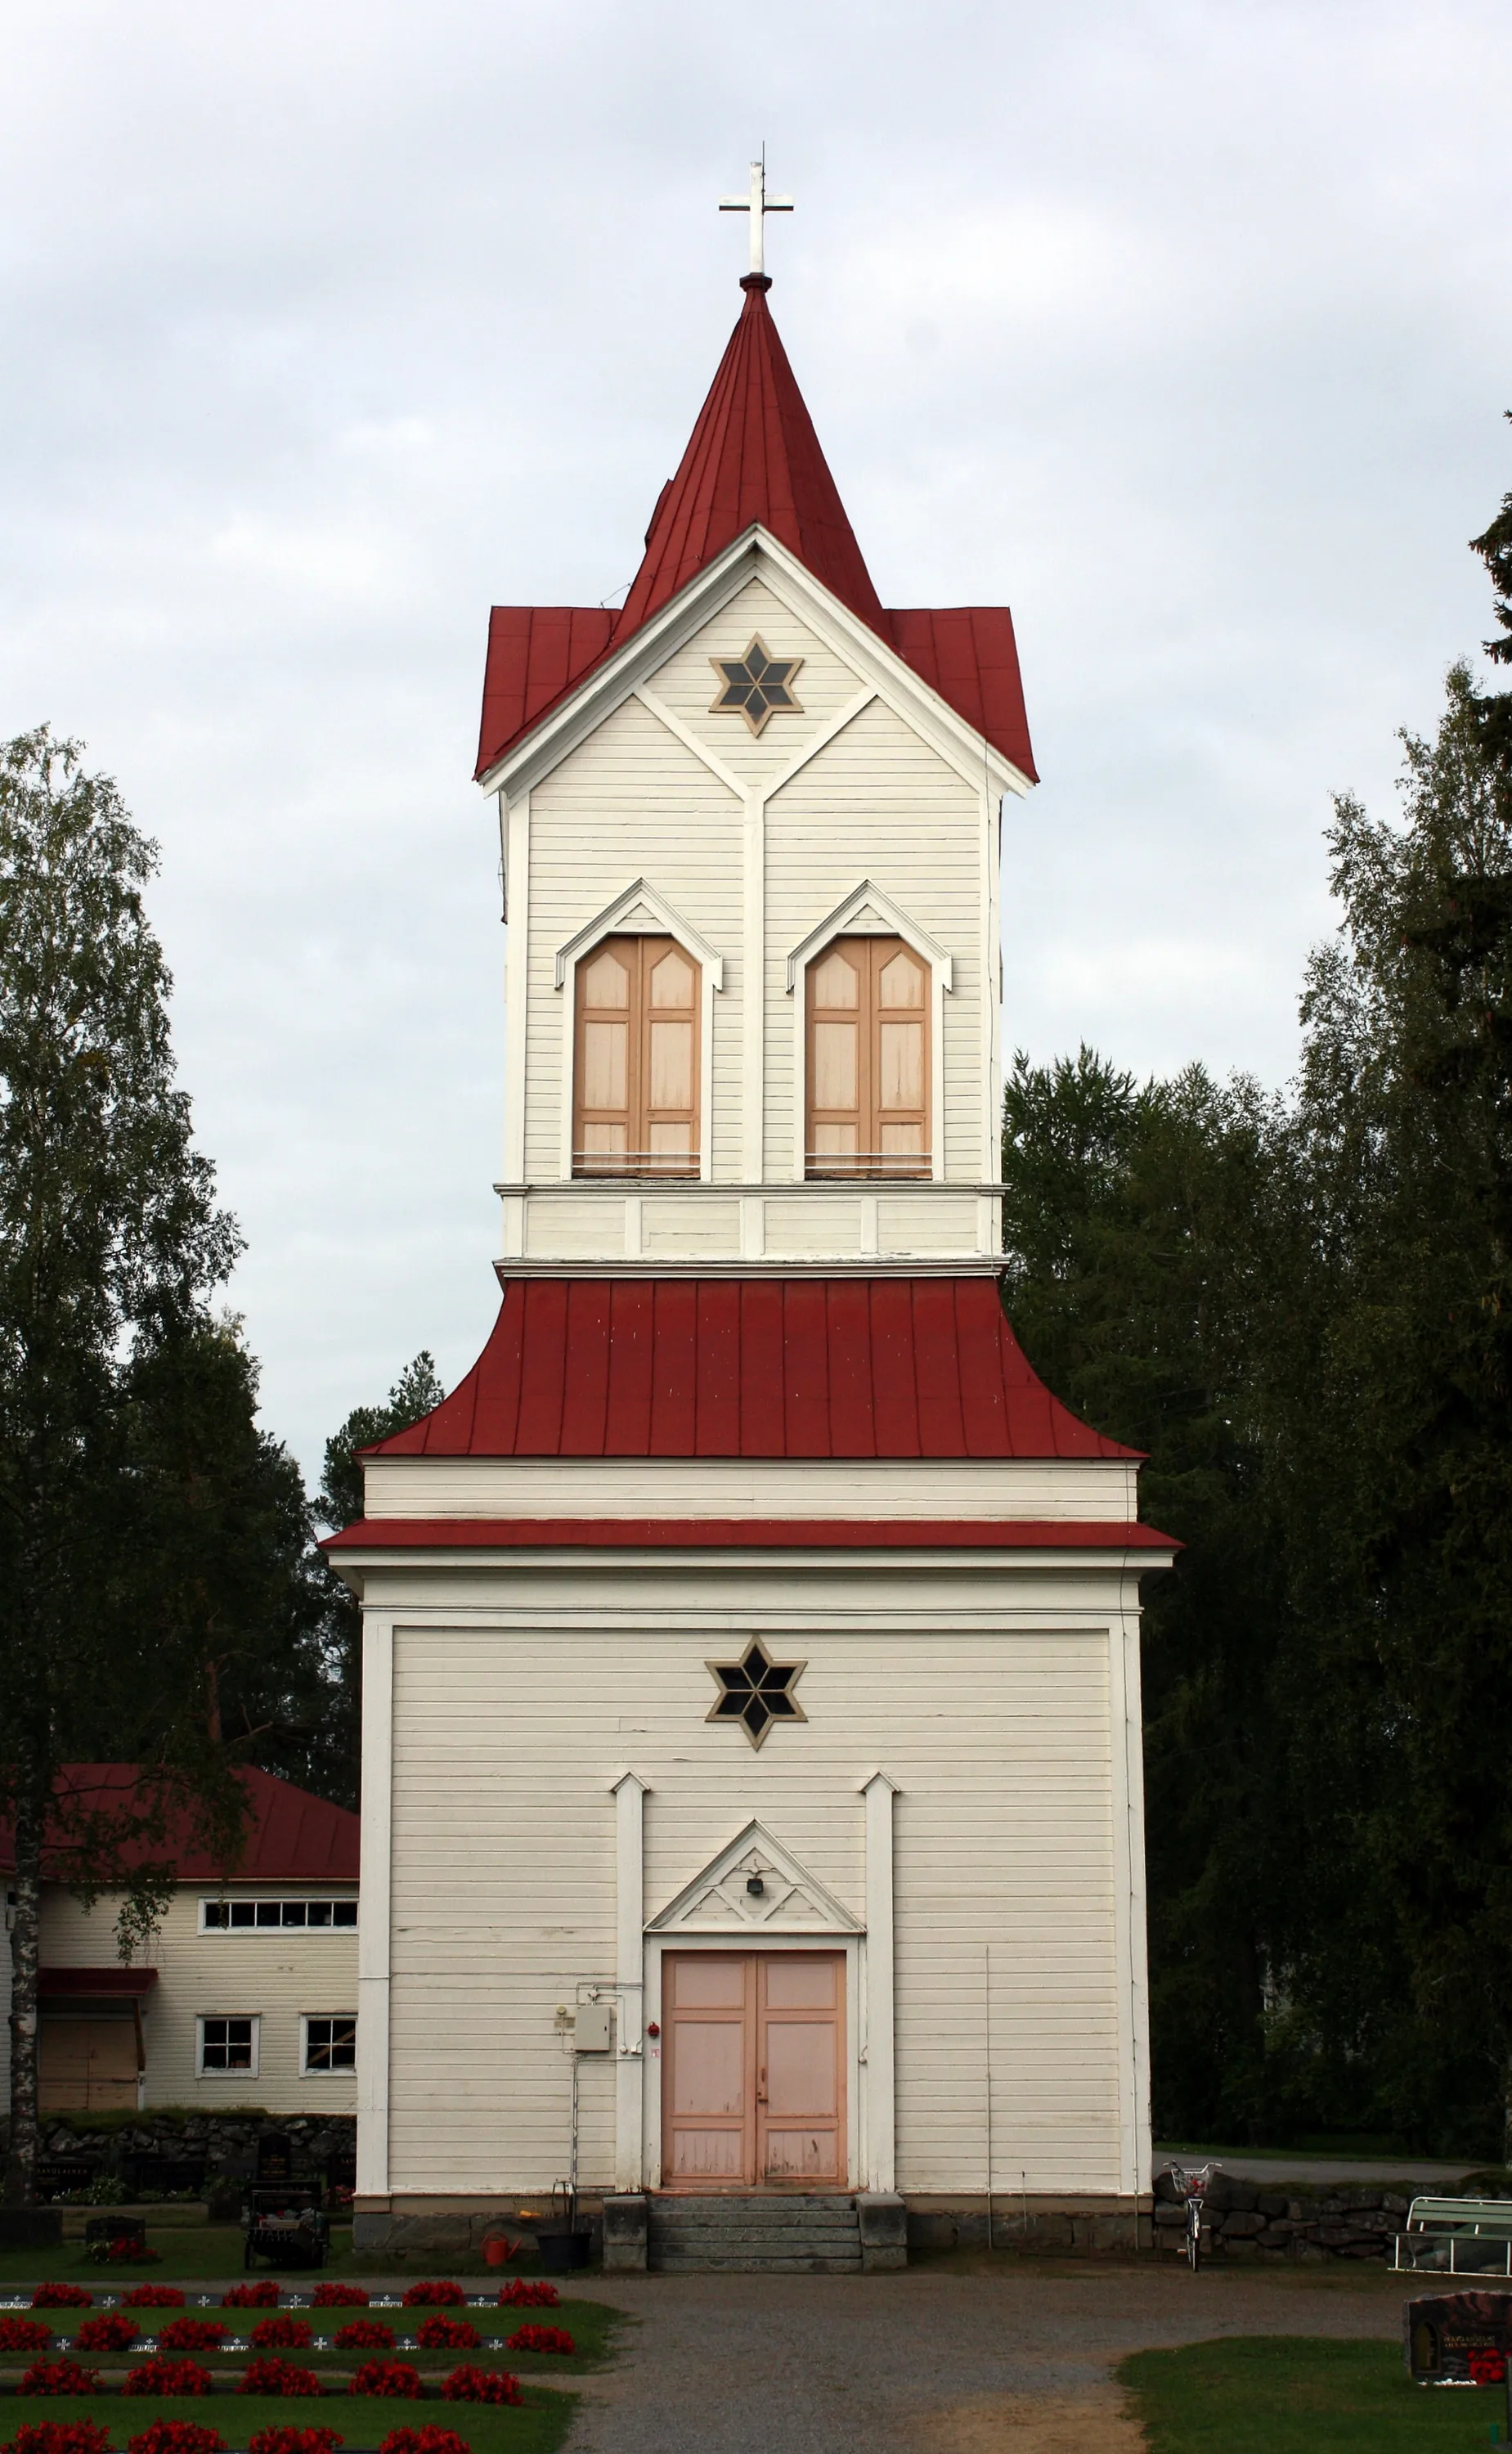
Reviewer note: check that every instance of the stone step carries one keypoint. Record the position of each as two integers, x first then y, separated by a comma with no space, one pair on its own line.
767,2245
709,2262
721,2210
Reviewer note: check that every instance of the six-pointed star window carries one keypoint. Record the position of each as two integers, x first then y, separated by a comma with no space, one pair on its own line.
755,683
757,1691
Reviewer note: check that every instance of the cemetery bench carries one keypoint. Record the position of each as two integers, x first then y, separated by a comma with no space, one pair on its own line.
285,2230
1456,2237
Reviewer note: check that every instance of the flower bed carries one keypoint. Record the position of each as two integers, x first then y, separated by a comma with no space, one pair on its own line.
423,2441
435,2296
285,2333
293,2441
112,2332
278,2377
59,2376
338,2295
62,2295
60,2437
121,2252
156,2296
168,2378
364,2335
541,2339
448,2335
523,2295
262,2295
481,2385
386,2378
24,2335
192,2335
177,2437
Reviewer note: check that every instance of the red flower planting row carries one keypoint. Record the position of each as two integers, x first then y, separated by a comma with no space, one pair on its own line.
190,2437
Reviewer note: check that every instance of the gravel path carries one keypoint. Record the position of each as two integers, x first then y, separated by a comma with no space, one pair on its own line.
945,2358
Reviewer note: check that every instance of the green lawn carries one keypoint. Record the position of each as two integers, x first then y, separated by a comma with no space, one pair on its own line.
1298,2394
183,2252
538,2426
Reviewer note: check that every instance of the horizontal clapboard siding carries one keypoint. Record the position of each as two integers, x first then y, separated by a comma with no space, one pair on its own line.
505,1746
824,684
279,1976
410,1486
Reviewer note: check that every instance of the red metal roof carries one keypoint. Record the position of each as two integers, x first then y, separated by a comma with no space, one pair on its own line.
751,1368
753,457
290,1836
748,1533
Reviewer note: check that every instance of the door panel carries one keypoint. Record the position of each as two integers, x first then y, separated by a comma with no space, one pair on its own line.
754,2077
86,2064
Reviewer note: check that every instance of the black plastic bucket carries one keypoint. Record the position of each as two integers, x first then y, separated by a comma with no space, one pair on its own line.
564,2247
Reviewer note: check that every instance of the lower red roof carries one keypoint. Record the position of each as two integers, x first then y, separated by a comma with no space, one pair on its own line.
748,1533
95,1984
751,1368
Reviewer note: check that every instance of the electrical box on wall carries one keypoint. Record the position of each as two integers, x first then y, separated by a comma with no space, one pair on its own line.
592,2034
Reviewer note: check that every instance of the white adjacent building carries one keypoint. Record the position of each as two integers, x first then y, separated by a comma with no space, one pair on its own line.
751,1778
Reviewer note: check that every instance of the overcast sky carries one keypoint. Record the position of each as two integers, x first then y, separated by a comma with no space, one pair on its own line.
1183,329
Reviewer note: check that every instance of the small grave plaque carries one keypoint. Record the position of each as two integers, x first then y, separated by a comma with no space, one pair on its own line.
1458,2337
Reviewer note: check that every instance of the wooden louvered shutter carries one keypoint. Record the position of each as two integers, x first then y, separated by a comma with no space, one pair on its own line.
635,1107
868,1060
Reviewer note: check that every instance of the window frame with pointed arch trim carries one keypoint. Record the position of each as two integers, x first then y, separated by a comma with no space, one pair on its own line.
874,1046
616,1091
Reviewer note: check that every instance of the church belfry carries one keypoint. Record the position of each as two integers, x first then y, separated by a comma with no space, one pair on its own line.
750,1636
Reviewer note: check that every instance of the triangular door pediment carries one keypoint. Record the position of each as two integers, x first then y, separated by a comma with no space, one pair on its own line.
720,1900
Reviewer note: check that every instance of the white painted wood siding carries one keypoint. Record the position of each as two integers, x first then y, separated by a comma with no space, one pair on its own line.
414,1486
508,1740
280,1975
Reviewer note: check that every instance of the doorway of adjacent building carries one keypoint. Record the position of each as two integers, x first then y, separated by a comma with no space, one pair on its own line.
86,2064
754,2070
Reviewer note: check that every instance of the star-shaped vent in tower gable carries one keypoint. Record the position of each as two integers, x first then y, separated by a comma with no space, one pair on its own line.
754,684
757,1692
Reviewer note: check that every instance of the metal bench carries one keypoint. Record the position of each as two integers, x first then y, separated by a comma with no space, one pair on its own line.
1456,2237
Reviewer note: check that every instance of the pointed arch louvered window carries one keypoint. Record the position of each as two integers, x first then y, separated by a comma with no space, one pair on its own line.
635,1106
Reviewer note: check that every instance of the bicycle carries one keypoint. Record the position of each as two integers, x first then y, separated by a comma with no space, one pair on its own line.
1192,2183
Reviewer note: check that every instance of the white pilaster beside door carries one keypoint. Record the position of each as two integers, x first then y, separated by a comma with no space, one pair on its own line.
880,2133
630,2085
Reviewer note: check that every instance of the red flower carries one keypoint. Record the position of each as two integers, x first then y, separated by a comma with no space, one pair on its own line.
62,2295
60,2436
338,2295
293,2441
167,2377
435,2296
192,2335
278,2377
110,2332
282,2334
386,2376
123,2252
1487,2368
540,2338
520,2295
177,2437
263,2295
448,2335
423,2441
481,2385
158,2296
59,2376
24,2335
364,2335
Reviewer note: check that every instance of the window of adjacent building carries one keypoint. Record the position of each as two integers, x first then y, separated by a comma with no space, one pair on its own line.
248,1916
226,2046
330,2042
868,1060
635,1099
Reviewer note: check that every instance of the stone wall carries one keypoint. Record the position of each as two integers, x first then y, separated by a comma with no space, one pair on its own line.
1244,2220
226,2141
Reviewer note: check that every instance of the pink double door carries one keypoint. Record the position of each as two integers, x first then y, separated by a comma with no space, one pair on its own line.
754,2070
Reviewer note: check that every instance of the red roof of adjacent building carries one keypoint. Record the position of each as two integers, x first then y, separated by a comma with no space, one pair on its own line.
753,457
290,1836
751,1368
749,1533
96,1984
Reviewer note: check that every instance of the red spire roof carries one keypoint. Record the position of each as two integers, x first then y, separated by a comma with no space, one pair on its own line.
753,459
753,455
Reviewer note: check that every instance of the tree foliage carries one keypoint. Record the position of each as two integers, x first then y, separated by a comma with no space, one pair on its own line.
1302,1309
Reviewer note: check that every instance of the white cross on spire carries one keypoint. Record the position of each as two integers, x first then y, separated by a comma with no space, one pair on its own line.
758,204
